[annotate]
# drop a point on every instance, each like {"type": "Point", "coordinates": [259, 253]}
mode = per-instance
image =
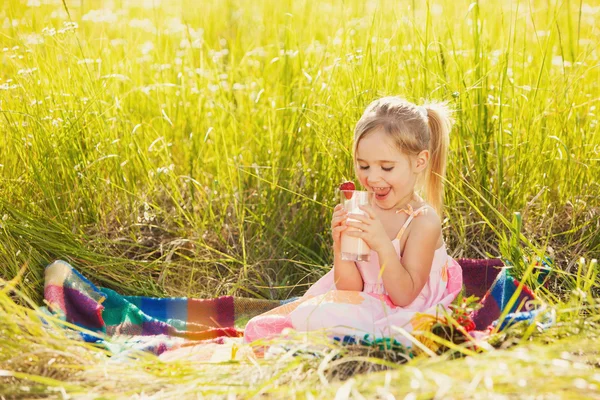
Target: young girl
{"type": "Point", "coordinates": [396, 143]}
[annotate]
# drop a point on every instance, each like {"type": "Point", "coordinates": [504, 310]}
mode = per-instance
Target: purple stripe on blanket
{"type": "Point", "coordinates": [225, 312]}
{"type": "Point", "coordinates": [155, 328]}
{"type": "Point", "coordinates": [82, 310]}
{"type": "Point", "coordinates": [479, 275]}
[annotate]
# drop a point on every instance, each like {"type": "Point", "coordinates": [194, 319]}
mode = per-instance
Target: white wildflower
{"type": "Point", "coordinates": [7, 86]}
{"type": "Point", "coordinates": [174, 26]}
{"type": "Point", "coordinates": [59, 13]}
{"type": "Point", "coordinates": [143, 24]}
{"type": "Point", "coordinates": [98, 16]}
{"type": "Point", "coordinates": [118, 42]}
{"type": "Point", "coordinates": [115, 76]}
{"type": "Point", "coordinates": [147, 47]}
{"type": "Point", "coordinates": [33, 39]}
{"type": "Point", "coordinates": [27, 71]}
{"type": "Point", "coordinates": [49, 31]}
{"type": "Point", "coordinates": [89, 61]}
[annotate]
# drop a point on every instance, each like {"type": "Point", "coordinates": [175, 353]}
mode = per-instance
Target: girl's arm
{"type": "Point", "coordinates": [404, 279]}
{"type": "Point", "coordinates": [345, 274]}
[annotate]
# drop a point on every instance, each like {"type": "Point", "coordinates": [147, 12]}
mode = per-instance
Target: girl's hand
{"type": "Point", "coordinates": [340, 215]}
{"type": "Point", "coordinates": [371, 229]}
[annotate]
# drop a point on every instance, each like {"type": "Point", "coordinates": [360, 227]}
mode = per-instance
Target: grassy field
{"type": "Point", "coordinates": [184, 148]}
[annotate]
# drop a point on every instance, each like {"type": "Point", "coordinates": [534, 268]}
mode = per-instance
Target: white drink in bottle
{"type": "Point", "coordinates": [353, 248]}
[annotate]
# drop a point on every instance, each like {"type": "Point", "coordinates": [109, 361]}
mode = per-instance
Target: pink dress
{"type": "Point", "coordinates": [368, 312]}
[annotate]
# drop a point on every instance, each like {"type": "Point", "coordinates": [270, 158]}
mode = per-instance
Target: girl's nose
{"type": "Point", "coordinates": [373, 178]}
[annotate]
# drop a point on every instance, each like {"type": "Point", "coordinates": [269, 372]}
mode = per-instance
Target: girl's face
{"type": "Point", "coordinates": [386, 171]}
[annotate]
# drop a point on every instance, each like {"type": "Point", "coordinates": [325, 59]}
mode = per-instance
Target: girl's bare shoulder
{"type": "Point", "coordinates": [426, 218]}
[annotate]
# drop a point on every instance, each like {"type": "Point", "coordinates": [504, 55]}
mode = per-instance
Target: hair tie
{"type": "Point", "coordinates": [423, 111]}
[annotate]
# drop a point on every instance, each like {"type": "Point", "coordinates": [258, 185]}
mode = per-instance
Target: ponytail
{"type": "Point", "coordinates": [440, 123]}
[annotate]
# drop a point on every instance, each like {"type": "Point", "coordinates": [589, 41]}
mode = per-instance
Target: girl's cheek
{"type": "Point", "coordinates": [362, 178]}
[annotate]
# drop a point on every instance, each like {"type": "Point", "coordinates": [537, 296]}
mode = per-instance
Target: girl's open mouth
{"type": "Point", "coordinates": [381, 193]}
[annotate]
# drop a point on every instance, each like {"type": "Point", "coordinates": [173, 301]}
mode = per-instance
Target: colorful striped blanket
{"type": "Point", "coordinates": [122, 323]}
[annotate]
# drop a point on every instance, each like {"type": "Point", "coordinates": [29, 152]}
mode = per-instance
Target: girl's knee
{"type": "Point", "coordinates": [265, 326]}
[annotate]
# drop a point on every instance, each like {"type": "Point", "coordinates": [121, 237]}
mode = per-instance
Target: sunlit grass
{"type": "Point", "coordinates": [217, 134]}
{"type": "Point", "coordinates": [38, 359]}
{"type": "Point", "coordinates": [193, 149]}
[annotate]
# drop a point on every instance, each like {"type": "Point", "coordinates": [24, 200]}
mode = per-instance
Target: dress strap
{"type": "Point", "coordinates": [411, 215]}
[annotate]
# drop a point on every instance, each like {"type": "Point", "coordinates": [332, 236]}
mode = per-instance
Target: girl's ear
{"type": "Point", "coordinates": [421, 161]}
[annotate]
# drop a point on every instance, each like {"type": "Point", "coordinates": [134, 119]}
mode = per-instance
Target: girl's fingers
{"type": "Point", "coordinates": [336, 224]}
{"type": "Point", "coordinates": [340, 213]}
{"type": "Point", "coordinates": [358, 234]}
{"type": "Point", "coordinates": [339, 229]}
{"type": "Point", "coordinates": [337, 232]}
{"type": "Point", "coordinates": [339, 210]}
{"type": "Point", "coordinates": [369, 210]}
{"type": "Point", "coordinates": [360, 217]}
{"type": "Point", "coordinates": [354, 224]}
{"type": "Point", "coordinates": [337, 220]}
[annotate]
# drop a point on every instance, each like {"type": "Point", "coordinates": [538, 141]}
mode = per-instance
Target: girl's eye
{"type": "Point", "coordinates": [363, 167]}
{"type": "Point", "coordinates": [387, 169]}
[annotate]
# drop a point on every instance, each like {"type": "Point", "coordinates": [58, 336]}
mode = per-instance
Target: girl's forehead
{"type": "Point", "coordinates": [378, 146]}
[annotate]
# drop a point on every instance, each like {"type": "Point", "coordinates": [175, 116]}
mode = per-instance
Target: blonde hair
{"type": "Point", "coordinates": [413, 129]}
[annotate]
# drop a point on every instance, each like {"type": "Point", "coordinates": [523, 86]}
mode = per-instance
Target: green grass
{"type": "Point", "coordinates": [193, 149]}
